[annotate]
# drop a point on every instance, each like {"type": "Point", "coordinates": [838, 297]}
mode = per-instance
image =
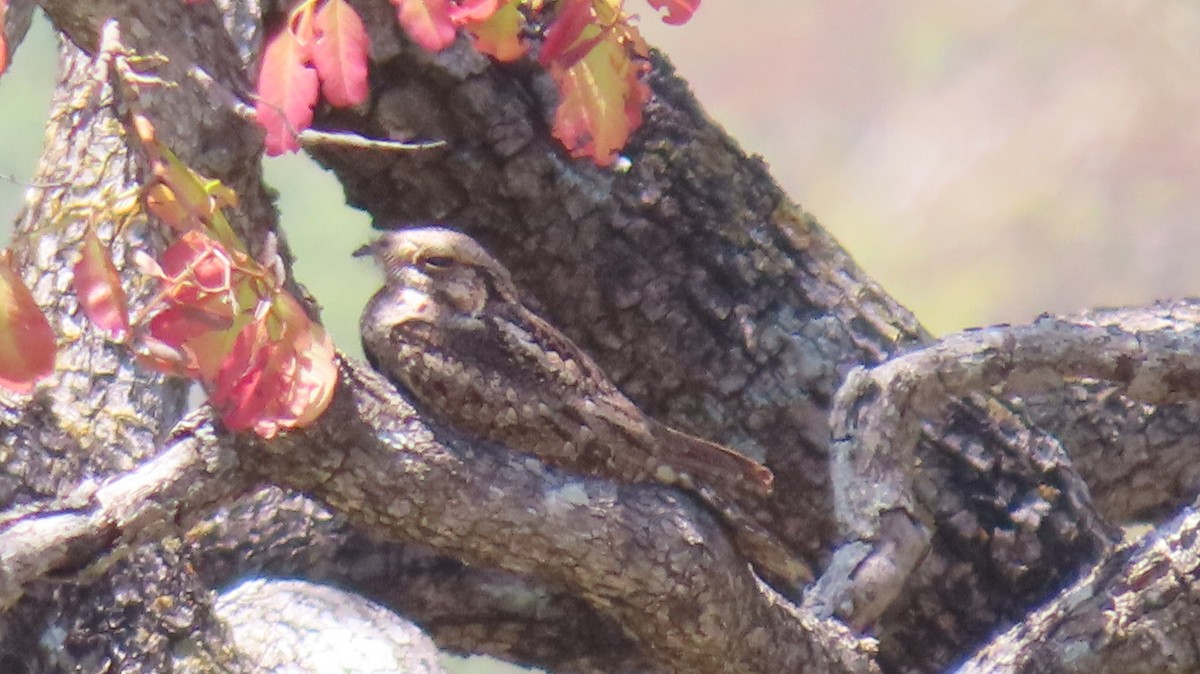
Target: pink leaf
{"type": "Point", "coordinates": [26, 339]}
{"type": "Point", "coordinates": [287, 91]}
{"type": "Point", "coordinates": [427, 22]}
{"type": "Point", "coordinates": [3, 41]}
{"type": "Point", "coordinates": [98, 288]}
{"type": "Point", "coordinates": [340, 53]}
{"type": "Point", "coordinates": [279, 373]}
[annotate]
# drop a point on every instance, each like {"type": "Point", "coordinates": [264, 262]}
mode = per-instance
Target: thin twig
{"type": "Point", "coordinates": [10, 178]}
{"type": "Point", "coordinates": [312, 137]}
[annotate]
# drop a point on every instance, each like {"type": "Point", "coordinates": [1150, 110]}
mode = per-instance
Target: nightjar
{"type": "Point", "coordinates": [449, 327]}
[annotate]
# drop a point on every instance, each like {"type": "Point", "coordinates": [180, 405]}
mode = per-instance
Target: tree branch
{"type": "Point", "coordinates": [1138, 459]}
{"type": "Point", "coordinates": [878, 417]}
{"type": "Point", "coordinates": [97, 524]}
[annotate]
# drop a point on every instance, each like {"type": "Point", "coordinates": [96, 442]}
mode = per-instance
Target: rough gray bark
{"type": "Point", "coordinates": [1139, 459]}
{"type": "Point", "coordinates": [877, 419]}
{"type": "Point", "coordinates": [716, 303]}
{"type": "Point", "coordinates": [1133, 613]}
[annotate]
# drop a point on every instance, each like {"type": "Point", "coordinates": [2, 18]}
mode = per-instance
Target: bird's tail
{"type": "Point", "coordinates": [734, 486]}
{"type": "Point", "coordinates": [771, 557]}
{"type": "Point", "coordinates": [711, 464]}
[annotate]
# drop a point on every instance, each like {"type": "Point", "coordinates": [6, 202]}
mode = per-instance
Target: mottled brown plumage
{"type": "Point", "coordinates": [448, 326]}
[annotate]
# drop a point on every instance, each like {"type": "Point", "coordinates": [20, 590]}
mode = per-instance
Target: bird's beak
{"type": "Point", "coordinates": [365, 250]}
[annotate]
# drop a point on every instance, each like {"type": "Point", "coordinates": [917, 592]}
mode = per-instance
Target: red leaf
{"type": "Point", "coordinates": [583, 47]}
{"type": "Point", "coordinates": [274, 383]}
{"type": "Point", "coordinates": [427, 22]}
{"type": "Point", "coordinates": [265, 365]}
{"type": "Point", "coordinates": [179, 326]}
{"type": "Point", "coordinates": [202, 308]}
{"type": "Point", "coordinates": [312, 377]}
{"type": "Point", "coordinates": [287, 89]}
{"type": "Point", "coordinates": [340, 53]}
{"type": "Point", "coordinates": [98, 288]}
{"type": "Point", "coordinates": [242, 390]}
{"type": "Point", "coordinates": [3, 40]}
{"type": "Point", "coordinates": [499, 35]}
{"type": "Point", "coordinates": [573, 16]}
{"type": "Point", "coordinates": [678, 11]}
{"type": "Point", "coordinates": [26, 339]}
{"type": "Point", "coordinates": [602, 99]}
{"type": "Point", "coordinates": [200, 265]}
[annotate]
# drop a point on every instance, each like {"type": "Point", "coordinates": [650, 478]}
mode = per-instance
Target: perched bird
{"type": "Point", "coordinates": [449, 327]}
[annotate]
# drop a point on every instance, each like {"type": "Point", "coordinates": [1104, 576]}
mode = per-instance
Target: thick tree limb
{"type": "Point", "coordinates": [652, 560]}
{"type": "Point", "coordinates": [101, 414]}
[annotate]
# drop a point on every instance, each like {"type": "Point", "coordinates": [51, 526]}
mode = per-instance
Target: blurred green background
{"type": "Point", "coordinates": [984, 161]}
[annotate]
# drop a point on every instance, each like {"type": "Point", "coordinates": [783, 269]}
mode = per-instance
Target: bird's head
{"type": "Point", "coordinates": [447, 266]}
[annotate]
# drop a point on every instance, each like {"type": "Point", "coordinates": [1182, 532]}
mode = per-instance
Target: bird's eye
{"type": "Point", "coordinates": [437, 262]}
